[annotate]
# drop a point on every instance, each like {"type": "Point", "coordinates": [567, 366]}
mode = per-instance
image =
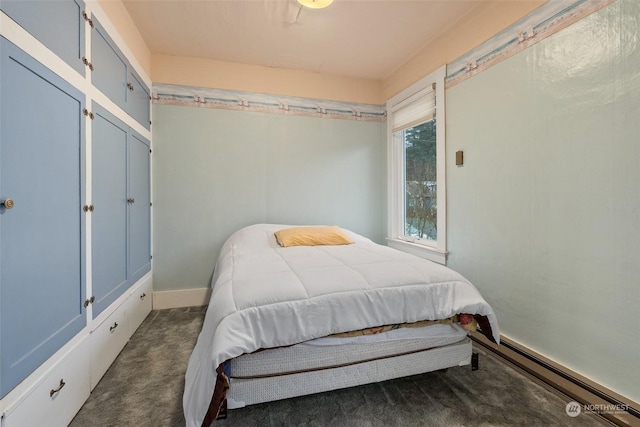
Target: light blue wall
{"type": "Point", "coordinates": [544, 216]}
{"type": "Point", "coordinates": [215, 171]}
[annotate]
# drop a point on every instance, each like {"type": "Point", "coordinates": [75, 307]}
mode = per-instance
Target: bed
{"type": "Point", "coordinates": [290, 321]}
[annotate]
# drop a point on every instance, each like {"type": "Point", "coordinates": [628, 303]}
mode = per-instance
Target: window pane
{"type": "Point", "coordinates": [420, 181]}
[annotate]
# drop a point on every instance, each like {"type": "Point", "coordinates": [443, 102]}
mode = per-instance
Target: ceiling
{"type": "Point", "coordinates": [357, 38]}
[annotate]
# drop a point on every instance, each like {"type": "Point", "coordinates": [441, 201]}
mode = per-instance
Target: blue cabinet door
{"type": "Point", "coordinates": [42, 285]}
{"type": "Point", "coordinates": [138, 99]}
{"type": "Point", "coordinates": [109, 218]}
{"type": "Point", "coordinates": [139, 208]}
{"type": "Point", "coordinates": [114, 76]}
{"type": "Point", "coordinates": [59, 25]}
{"type": "Point", "coordinates": [110, 68]}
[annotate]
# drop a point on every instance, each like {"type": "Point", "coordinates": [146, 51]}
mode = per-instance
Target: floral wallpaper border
{"type": "Point", "coordinates": [248, 101]}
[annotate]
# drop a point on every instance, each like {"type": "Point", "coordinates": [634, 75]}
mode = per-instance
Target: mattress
{"type": "Point", "coordinates": [318, 354]}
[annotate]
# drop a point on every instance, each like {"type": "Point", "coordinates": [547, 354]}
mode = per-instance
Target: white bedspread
{"type": "Point", "coordinates": [268, 296]}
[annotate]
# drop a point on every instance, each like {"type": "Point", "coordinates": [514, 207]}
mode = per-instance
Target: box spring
{"type": "Point", "coordinates": [286, 372]}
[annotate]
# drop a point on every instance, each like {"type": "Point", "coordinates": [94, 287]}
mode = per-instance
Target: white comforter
{"type": "Point", "coordinates": [268, 296]}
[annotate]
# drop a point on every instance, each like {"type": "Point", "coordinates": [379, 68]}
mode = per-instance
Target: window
{"type": "Point", "coordinates": [416, 148]}
{"type": "Point", "coordinates": [420, 181]}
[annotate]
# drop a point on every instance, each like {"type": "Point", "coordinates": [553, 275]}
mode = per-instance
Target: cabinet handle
{"type": "Point", "coordinates": [142, 296]}
{"type": "Point", "coordinates": [7, 204]}
{"type": "Point", "coordinates": [55, 390]}
{"type": "Point", "coordinates": [112, 328]}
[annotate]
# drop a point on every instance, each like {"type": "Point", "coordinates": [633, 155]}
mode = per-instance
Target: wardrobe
{"type": "Point", "coordinates": [75, 206]}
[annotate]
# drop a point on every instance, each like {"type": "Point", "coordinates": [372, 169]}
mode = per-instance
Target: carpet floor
{"type": "Point", "coordinates": [144, 387]}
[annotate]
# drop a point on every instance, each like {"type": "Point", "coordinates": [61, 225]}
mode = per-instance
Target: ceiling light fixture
{"type": "Point", "coordinates": [315, 4]}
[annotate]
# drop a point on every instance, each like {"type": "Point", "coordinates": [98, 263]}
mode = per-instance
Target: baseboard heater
{"type": "Point", "coordinates": [602, 403]}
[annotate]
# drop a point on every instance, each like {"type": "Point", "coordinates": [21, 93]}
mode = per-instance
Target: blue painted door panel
{"type": "Point", "coordinates": [109, 66]}
{"type": "Point", "coordinates": [109, 218]}
{"type": "Point", "coordinates": [139, 209]}
{"type": "Point", "coordinates": [58, 25]}
{"type": "Point", "coordinates": [138, 101]}
{"type": "Point", "coordinates": [42, 284]}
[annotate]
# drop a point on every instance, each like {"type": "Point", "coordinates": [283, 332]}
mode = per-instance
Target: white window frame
{"type": "Point", "coordinates": [430, 249]}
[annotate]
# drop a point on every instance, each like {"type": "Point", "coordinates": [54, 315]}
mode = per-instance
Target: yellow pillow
{"type": "Point", "coordinates": [312, 236]}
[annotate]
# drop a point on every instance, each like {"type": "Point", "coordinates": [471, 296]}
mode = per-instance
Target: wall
{"type": "Point", "coordinates": [218, 170]}
{"type": "Point", "coordinates": [544, 216]}
{"type": "Point", "coordinates": [256, 78]}
{"type": "Point", "coordinates": [485, 20]}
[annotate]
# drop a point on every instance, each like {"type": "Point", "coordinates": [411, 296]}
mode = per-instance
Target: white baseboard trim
{"type": "Point", "coordinates": [181, 298]}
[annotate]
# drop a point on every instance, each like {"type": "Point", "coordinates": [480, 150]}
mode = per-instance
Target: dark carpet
{"type": "Point", "coordinates": [144, 387]}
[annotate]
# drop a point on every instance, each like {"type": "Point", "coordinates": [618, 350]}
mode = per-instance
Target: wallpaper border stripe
{"type": "Point", "coordinates": [190, 96]}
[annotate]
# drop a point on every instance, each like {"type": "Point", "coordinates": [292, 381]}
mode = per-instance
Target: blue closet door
{"type": "Point", "coordinates": [139, 208]}
{"type": "Point", "coordinates": [42, 285]}
{"type": "Point", "coordinates": [59, 25]}
{"type": "Point", "coordinates": [109, 218]}
{"type": "Point", "coordinates": [109, 66]}
{"type": "Point", "coordinates": [138, 99]}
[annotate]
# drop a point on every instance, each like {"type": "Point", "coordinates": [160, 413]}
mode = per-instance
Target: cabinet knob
{"type": "Point", "coordinates": [89, 301]}
{"type": "Point", "coordinates": [115, 325]}
{"type": "Point", "coordinates": [88, 113]}
{"type": "Point", "coordinates": [7, 204]}
{"type": "Point", "coordinates": [131, 200]}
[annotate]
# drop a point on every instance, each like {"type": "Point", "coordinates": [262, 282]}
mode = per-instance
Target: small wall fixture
{"type": "Point", "coordinates": [315, 4]}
